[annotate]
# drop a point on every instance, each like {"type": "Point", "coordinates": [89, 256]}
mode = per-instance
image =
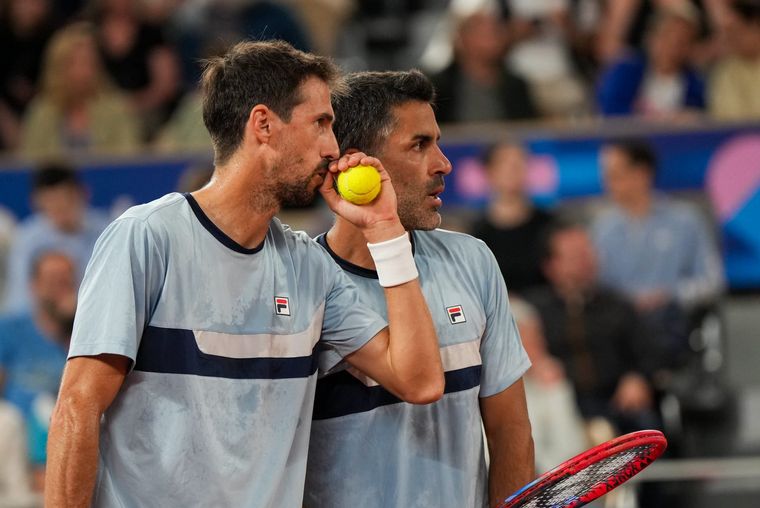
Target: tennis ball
{"type": "Point", "coordinates": [359, 185]}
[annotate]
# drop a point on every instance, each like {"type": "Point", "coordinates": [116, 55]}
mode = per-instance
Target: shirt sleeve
{"type": "Point", "coordinates": [119, 291]}
{"type": "Point", "coordinates": [348, 323]}
{"type": "Point", "coordinates": [501, 350]}
{"type": "Point", "coordinates": [704, 281]}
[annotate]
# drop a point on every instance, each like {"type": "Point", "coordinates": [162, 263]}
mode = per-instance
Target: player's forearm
{"type": "Point", "coordinates": [413, 350]}
{"type": "Point", "coordinates": [512, 464]}
{"type": "Point", "coordinates": [72, 455]}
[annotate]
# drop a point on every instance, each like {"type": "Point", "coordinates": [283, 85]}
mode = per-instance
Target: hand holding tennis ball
{"type": "Point", "coordinates": [360, 184]}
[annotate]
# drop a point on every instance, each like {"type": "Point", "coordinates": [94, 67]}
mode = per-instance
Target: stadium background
{"type": "Point", "coordinates": [711, 162]}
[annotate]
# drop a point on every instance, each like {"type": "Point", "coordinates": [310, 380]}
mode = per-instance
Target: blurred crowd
{"type": "Point", "coordinates": [116, 76]}
{"type": "Point", "coordinates": [606, 306]}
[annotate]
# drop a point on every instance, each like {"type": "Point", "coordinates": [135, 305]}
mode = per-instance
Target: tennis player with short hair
{"type": "Point", "coordinates": [368, 448]}
{"type": "Point", "coordinates": [200, 314]}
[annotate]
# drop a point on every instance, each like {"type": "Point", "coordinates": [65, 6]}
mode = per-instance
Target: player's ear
{"type": "Point", "coordinates": [259, 123]}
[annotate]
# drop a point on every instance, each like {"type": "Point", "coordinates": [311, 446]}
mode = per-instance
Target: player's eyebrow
{"type": "Point", "coordinates": [326, 117]}
{"type": "Point", "coordinates": [425, 138]}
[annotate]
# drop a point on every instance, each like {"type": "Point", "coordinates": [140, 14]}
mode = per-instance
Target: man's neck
{"type": "Point", "coordinates": [349, 244]}
{"type": "Point", "coordinates": [509, 211]}
{"type": "Point", "coordinates": [230, 203]}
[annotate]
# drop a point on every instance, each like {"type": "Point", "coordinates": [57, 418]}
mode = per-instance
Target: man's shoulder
{"type": "Point", "coordinates": [450, 245]}
{"type": "Point", "coordinates": [157, 209]}
{"type": "Point", "coordinates": [297, 245]}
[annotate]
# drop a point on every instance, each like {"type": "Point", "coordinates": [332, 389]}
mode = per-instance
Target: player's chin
{"type": "Point", "coordinates": [424, 222]}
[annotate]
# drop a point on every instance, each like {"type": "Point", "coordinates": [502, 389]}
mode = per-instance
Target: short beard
{"type": "Point", "coordinates": [413, 218]}
{"type": "Point", "coordinates": [297, 194]}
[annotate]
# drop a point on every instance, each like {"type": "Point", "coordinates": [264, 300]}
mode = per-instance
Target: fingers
{"type": "Point", "coordinates": [350, 160]}
{"type": "Point", "coordinates": [327, 189]}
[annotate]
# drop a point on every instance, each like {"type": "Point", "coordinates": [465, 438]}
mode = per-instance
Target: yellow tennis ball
{"type": "Point", "coordinates": [359, 185]}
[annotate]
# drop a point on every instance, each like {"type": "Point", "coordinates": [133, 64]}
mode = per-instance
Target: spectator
{"type": "Point", "coordinates": [63, 222]}
{"type": "Point", "coordinates": [25, 28]}
{"type": "Point", "coordinates": [33, 347]}
{"type": "Point", "coordinates": [657, 252]}
{"type": "Point", "coordinates": [139, 61]}
{"type": "Point", "coordinates": [542, 34]}
{"type": "Point", "coordinates": [734, 89]}
{"type": "Point", "coordinates": [623, 24]}
{"type": "Point", "coordinates": [556, 424]}
{"type": "Point", "coordinates": [511, 226]}
{"type": "Point", "coordinates": [658, 82]}
{"type": "Point", "coordinates": [595, 333]}
{"type": "Point", "coordinates": [77, 110]}
{"type": "Point", "coordinates": [476, 86]}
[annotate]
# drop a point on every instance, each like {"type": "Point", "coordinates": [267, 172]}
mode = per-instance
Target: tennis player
{"type": "Point", "coordinates": [369, 448]}
{"type": "Point", "coordinates": [200, 314]}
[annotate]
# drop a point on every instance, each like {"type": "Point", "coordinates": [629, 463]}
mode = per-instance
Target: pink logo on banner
{"type": "Point", "coordinates": [471, 182]}
{"type": "Point", "coordinates": [733, 175]}
{"type": "Point", "coordinates": [543, 175]}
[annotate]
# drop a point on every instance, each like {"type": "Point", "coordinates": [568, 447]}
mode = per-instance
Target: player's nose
{"type": "Point", "coordinates": [330, 149]}
{"type": "Point", "coordinates": [442, 164]}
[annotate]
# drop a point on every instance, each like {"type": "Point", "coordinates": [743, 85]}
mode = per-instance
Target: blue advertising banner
{"type": "Point", "coordinates": [722, 161]}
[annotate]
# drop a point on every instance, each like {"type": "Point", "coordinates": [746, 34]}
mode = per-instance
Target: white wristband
{"type": "Point", "coordinates": [394, 261]}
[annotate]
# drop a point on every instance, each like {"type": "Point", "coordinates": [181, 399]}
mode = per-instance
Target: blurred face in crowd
{"type": "Point", "coordinates": [508, 170]}
{"type": "Point", "coordinates": [63, 205]}
{"type": "Point", "coordinates": [625, 181]}
{"type": "Point", "coordinates": [670, 43]}
{"type": "Point", "coordinates": [416, 164]}
{"type": "Point", "coordinates": [743, 36]}
{"type": "Point", "coordinates": [27, 15]}
{"type": "Point", "coordinates": [572, 265]}
{"type": "Point", "coordinates": [83, 69]}
{"type": "Point", "coordinates": [482, 37]}
{"type": "Point", "coordinates": [54, 278]}
{"type": "Point", "coordinates": [54, 287]}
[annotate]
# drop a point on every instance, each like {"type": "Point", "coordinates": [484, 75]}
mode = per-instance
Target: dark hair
{"type": "Point", "coordinates": [487, 155]}
{"type": "Point", "coordinates": [364, 114]}
{"type": "Point", "coordinates": [550, 231]}
{"type": "Point", "coordinates": [748, 10]}
{"type": "Point", "coordinates": [638, 153]}
{"type": "Point", "coordinates": [53, 175]}
{"type": "Point", "coordinates": [40, 256]}
{"type": "Point", "coordinates": [252, 73]}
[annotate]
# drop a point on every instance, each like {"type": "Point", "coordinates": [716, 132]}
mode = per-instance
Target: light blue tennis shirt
{"type": "Point", "coordinates": [217, 408]}
{"type": "Point", "coordinates": [370, 449]}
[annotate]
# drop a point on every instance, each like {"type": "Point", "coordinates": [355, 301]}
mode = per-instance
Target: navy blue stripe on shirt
{"type": "Point", "coordinates": [342, 394]}
{"type": "Point", "coordinates": [175, 351]}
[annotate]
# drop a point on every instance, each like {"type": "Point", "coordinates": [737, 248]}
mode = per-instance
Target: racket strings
{"type": "Point", "coordinates": [571, 487]}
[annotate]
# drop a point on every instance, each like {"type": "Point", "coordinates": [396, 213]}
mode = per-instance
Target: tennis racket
{"type": "Point", "coordinates": [591, 474]}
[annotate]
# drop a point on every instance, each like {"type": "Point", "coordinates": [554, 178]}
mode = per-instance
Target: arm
{"type": "Point", "coordinates": [510, 445]}
{"type": "Point", "coordinates": [404, 357]}
{"type": "Point", "coordinates": [614, 26]}
{"type": "Point", "coordinates": [88, 387]}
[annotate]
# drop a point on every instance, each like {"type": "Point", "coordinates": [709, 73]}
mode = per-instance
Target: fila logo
{"type": "Point", "coordinates": [456, 314]}
{"type": "Point", "coordinates": [281, 306]}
